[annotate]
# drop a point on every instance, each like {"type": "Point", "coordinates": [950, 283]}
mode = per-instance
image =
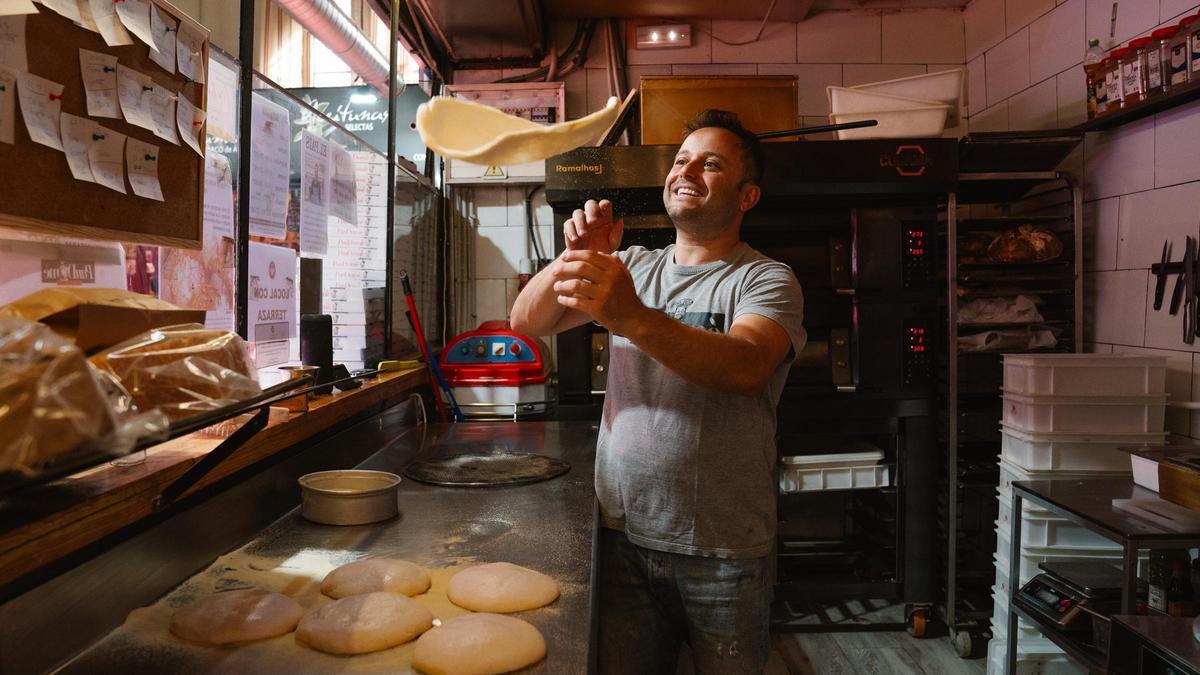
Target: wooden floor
{"type": "Point", "coordinates": [867, 653]}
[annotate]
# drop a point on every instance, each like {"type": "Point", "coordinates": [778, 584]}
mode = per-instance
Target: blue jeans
{"type": "Point", "coordinates": [651, 602]}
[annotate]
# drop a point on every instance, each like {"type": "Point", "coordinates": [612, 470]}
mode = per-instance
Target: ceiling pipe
{"type": "Point", "coordinates": [338, 33]}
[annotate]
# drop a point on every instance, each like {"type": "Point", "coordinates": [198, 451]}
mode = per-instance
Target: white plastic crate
{"type": "Point", "coordinates": [1010, 472]}
{"type": "Point", "coordinates": [792, 479]}
{"type": "Point", "coordinates": [847, 100]}
{"type": "Point", "coordinates": [1084, 414]}
{"type": "Point", "coordinates": [1034, 657]}
{"type": "Point", "coordinates": [1085, 374]}
{"type": "Point", "coordinates": [1042, 530]}
{"type": "Point", "coordinates": [927, 122]}
{"type": "Point", "coordinates": [1071, 452]}
{"type": "Point", "coordinates": [1031, 556]}
{"type": "Point", "coordinates": [946, 86]}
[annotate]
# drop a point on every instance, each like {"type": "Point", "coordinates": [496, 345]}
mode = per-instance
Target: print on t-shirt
{"type": "Point", "coordinates": [709, 321]}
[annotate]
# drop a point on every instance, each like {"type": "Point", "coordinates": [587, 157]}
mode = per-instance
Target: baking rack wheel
{"type": "Point", "coordinates": [963, 644]}
{"type": "Point", "coordinates": [916, 621]}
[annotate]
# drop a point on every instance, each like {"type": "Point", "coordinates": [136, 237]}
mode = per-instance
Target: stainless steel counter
{"type": "Point", "coordinates": [548, 526]}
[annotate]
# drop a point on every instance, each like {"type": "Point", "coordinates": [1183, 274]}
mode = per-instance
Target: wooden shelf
{"type": "Point", "coordinates": [1184, 93]}
{"type": "Point", "coordinates": [44, 524]}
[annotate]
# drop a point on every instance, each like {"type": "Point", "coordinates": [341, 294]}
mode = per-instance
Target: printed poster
{"type": "Point", "coordinates": [314, 193]}
{"type": "Point", "coordinates": [344, 186]}
{"type": "Point", "coordinates": [270, 167]}
{"type": "Point", "coordinates": [272, 307]}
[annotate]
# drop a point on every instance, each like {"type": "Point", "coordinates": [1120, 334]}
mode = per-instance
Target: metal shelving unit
{"type": "Point", "coordinates": [1006, 180]}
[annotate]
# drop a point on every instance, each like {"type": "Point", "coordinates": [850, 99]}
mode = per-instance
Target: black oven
{"type": "Point", "coordinates": [858, 222]}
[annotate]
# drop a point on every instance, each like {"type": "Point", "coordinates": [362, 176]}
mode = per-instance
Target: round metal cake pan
{"type": "Point", "coordinates": [349, 497]}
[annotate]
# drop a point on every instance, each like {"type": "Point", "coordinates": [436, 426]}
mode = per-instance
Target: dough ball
{"type": "Point", "coordinates": [479, 644]}
{"type": "Point", "coordinates": [375, 574]}
{"type": "Point", "coordinates": [364, 623]}
{"type": "Point", "coordinates": [237, 616]}
{"type": "Point", "coordinates": [501, 587]}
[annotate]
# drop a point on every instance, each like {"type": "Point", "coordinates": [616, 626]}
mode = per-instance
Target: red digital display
{"type": "Point", "coordinates": [916, 340]}
{"type": "Point", "coordinates": [915, 242]}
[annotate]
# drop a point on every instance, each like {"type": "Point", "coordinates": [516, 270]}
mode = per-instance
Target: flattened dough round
{"type": "Point", "coordinates": [479, 644]}
{"type": "Point", "coordinates": [375, 574]}
{"type": "Point", "coordinates": [478, 133]}
{"type": "Point", "coordinates": [364, 623]}
{"type": "Point", "coordinates": [237, 616]}
{"type": "Point", "coordinates": [501, 587]}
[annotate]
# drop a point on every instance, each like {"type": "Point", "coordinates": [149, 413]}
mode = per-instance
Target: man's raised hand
{"type": "Point", "coordinates": [592, 228]}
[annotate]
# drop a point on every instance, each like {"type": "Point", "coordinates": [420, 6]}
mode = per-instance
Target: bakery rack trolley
{"type": "Point", "coordinates": [1005, 180]}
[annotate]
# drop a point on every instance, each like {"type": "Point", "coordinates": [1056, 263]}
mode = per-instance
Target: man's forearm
{"type": "Point", "coordinates": [714, 360]}
{"type": "Point", "coordinates": [537, 311]}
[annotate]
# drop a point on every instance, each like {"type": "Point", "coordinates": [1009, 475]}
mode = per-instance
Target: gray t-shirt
{"type": "Point", "coordinates": [679, 467]}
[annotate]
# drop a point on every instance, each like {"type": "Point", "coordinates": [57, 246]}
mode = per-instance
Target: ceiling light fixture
{"type": "Point", "coordinates": [660, 37]}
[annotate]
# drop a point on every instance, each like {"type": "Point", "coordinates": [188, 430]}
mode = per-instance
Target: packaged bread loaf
{"type": "Point", "coordinates": [51, 402]}
{"type": "Point", "coordinates": [183, 370]}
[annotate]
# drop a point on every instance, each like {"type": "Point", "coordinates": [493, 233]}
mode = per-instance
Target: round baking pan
{"type": "Point", "coordinates": [350, 497]}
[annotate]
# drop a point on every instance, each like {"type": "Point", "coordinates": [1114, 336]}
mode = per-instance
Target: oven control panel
{"type": "Point", "coordinates": [916, 257]}
{"type": "Point", "coordinates": [918, 358]}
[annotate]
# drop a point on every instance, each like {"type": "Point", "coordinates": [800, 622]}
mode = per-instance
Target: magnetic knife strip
{"type": "Point", "coordinates": [1184, 292]}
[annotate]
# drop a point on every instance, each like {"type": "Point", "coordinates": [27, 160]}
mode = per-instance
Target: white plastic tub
{"type": "Point", "coordinates": [944, 86]}
{"type": "Point", "coordinates": [1071, 452]}
{"type": "Point", "coordinates": [839, 471]}
{"type": "Point", "coordinates": [1034, 657]}
{"type": "Point", "coordinates": [846, 100]}
{"type": "Point", "coordinates": [1145, 472]}
{"type": "Point", "coordinates": [1084, 414]}
{"type": "Point", "coordinates": [1041, 530]}
{"type": "Point", "coordinates": [1085, 374]}
{"type": "Point", "coordinates": [928, 122]}
{"type": "Point", "coordinates": [1010, 472]}
{"type": "Point", "coordinates": [1031, 556]}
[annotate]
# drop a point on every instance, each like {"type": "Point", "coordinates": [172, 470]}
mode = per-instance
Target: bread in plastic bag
{"type": "Point", "coordinates": [53, 402]}
{"type": "Point", "coordinates": [182, 370]}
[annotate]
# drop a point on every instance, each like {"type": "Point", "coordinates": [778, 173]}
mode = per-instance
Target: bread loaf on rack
{"type": "Point", "coordinates": [1025, 244]}
{"type": "Point", "coordinates": [51, 402]}
{"type": "Point", "coordinates": [183, 370]}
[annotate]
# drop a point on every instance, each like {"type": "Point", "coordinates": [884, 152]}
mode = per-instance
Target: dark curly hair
{"type": "Point", "coordinates": [752, 150]}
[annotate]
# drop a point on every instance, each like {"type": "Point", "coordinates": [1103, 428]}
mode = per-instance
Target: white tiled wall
{"type": "Point", "coordinates": [1141, 180]}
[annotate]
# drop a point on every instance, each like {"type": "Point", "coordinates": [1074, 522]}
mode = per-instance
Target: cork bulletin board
{"type": "Point", "coordinates": [37, 190]}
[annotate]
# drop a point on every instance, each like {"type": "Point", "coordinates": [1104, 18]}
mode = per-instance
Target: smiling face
{"type": "Point", "coordinates": [705, 192]}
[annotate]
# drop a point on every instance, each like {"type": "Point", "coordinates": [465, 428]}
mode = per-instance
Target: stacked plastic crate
{"type": "Point", "coordinates": [1064, 417]}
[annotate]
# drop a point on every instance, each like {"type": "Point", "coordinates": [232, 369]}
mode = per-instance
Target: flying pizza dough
{"type": "Point", "coordinates": [234, 617]}
{"type": "Point", "coordinates": [479, 644]}
{"type": "Point", "coordinates": [501, 587]}
{"type": "Point", "coordinates": [477, 133]}
{"type": "Point", "coordinates": [375, 574]}
{"type": "Point", "coordinates": [364, 623]}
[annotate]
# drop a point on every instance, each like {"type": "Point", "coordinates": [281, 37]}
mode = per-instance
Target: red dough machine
{"type": "Point", "coordinates": [497, 373]}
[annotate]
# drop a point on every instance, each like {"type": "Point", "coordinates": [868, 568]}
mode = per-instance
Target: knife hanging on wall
{"type": "Point", "coordinates": [1180, 280]}
{"type": "Point", "coordinates": [1189, 291]}
{"type": "Point", "coordinates": [1161, 284]}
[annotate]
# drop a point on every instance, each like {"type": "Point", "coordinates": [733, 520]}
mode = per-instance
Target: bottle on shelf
{"type": "Point", "coordinates": [1179, 591]}
{"type": "Point", "coordinates": [1096, 91]}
